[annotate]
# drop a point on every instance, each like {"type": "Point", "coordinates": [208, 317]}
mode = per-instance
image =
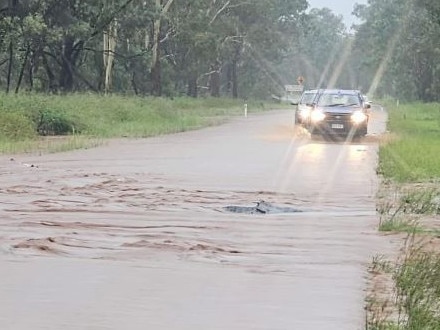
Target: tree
{"type": "Point", "coordinates": [399, 49]}
{"type": "Point", "coordinates": [432, 7]}
{"type": "Point", "coordinates": [152, 47]}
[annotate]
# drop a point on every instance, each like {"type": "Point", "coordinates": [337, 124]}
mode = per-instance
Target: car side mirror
{"type": "Point", "coordinates": [367, 106]}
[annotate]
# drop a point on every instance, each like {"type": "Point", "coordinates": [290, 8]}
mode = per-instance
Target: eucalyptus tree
{"type": "Point", "coordinates": [146, 47]}
{"type": "Point", "coordinates": [133, 53]}
{"type": "Point", "coordinates": [52, 35]}
{"type": "Point", "coordinates": [192, 41]}
{"type": "Point", "coordinates": [11, 12]}
{"type": "Point", "coordinates": [162, 7]}
{"type": "Point", "coordinates": [433, 8]}
{"type": "Point", "coordinates": [264, 32]}
{"type": "Point", "coordinates": [110, 34]}
{"type": "Point", "coordinates": [416, 61]}
{"type": "Point", "coordinates": [376, 41]}
{"type": "Point", "coordinates": [218, 45]}
{"type": "Point", "coordinates": [399, 49]}
{"type": "Point", "coordinates": [323, 43]}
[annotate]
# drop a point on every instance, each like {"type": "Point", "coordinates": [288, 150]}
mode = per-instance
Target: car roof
{"type": "Point", "coordinates": [340, 91]}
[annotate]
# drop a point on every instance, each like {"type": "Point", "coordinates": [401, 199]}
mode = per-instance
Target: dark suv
{"type": "Point", "coordinates": [338, 112]}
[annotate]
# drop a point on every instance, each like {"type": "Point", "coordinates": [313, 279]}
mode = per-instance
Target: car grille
{"type": "Point", "coordinates": [338, 122]}
{"type": "Point", "coordinates": [338, 117]}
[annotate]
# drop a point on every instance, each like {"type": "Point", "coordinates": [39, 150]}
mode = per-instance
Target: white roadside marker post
{"type": "Point", "coordinates": [245, 109]}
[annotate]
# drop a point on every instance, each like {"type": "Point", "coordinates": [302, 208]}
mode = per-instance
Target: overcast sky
{"type": "Point", "coordinates": [343, 7]}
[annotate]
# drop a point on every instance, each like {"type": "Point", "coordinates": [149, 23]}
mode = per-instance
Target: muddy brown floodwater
{"type": "Point", "coordinates": [136, 235]}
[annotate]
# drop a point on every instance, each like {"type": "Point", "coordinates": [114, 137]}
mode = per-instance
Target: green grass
{"type": "Point", "coordinates": [404, 204]}
{"type": "Point", "coordinates": [49, 144]}
{"type": "Point", "coordinates": [25, 117]}
{"type": "Point", "coordinates": [410, 160]}
{"type": "Point", "coordinates": [418, 288]}
{"type": "Point", "coordinates": [398, 225]}
{"type": "Point", "coordinates": [414, 154]}
{"type": "Point", "coordinates": [416, 292]}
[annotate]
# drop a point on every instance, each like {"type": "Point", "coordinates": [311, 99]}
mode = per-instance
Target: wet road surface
{"type": "Point", "coordinates": [135, 235]}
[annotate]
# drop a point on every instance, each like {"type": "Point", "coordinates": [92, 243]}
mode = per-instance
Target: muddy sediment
{"type": "Point", "coordinates": [138, 233]}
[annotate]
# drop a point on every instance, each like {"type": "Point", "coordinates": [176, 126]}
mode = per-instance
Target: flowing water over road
{"type": "Point", "coordinates": [136, 234]}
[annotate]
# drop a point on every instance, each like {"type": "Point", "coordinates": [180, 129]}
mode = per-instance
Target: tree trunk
{"type": "Point", "coordinates": [234, 79]}
{"type": "Point", "coordinates": [229, 79]}
{"type": "Point", "coordinates": [109, 54]}
{"type": "Point", "coordinates": [23, 67]}
{"type": "Point", "coordinates": [12, 5]}
{"type": "Point", "coordinates": [52, 86]}
{"type": "Point", "coordinates": [32, 69]}
{"type": "Point", "coordinates": [156, 74]}
{"type": "Point", "coordinates": [192, 85]}
{"type": "Point", "coordinates": [155, 60]}
{"type": "Point", "coordinates": [66, 75]}
{"type": "Point", "coordinates": [232, 75]}
{"type": "Point", "coordinates": [11, 59]}
{"type": "Point", "coordinates": [133, 83]}
{"type": "Point", "coordinates": [214, 83]}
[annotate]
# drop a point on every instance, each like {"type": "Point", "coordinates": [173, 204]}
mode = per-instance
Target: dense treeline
{"type": "Point", "coordinates": [149, 47]}
{"type": "Point", "coordinates": [233, 48]}
{"type": "Point", "coordinates": [398, 48]}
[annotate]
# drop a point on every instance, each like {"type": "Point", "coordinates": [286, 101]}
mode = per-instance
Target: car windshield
{"type": "Point", "coordinates": [338, 99]}
{"type": "Point", "coordinates": [308, 98]}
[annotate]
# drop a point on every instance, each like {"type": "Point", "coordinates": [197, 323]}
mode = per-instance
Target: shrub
{"type": "Point", "coordinates": [51, 123]}
{"type": "Point", "coordinates": [15, 126]}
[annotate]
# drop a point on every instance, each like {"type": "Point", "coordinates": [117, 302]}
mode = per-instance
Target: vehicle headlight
{"type": "Point", "coordinates": [317, 115]}
{"type": "Point", "coordinates": [358, 117]}
{"type": "Point", "coordinates": [304, 114]}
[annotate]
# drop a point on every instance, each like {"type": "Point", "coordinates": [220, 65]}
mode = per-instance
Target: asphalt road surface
{"type": "Point", "coordinates": [135, 234]}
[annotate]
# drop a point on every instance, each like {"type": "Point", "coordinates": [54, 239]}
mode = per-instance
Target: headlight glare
{"type": "Point", "coordinates": [358, 117]}
{"type": "Point", "coordinates": [304, 114]}
{"type": "Point", "coordinates": [317, 115]}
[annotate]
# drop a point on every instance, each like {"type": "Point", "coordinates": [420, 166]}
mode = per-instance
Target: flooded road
{"type": "Point", "coordinates": [136, 234]}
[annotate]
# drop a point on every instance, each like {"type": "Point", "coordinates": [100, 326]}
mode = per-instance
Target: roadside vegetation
{"type": "Point", "coordinates": [409, 208]}
{"type": "Point", "coordinates": [229, 48]}
{"type": "Point", "coordinates": [34, 122]}
{"type": "Point", "coordinates": [413, 152]}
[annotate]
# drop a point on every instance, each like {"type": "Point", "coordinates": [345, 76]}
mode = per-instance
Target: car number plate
{"type": "Point", "coordinates": [338, 126]}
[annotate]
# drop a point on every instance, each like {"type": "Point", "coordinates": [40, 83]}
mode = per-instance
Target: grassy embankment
{"type": "Point", "coordinates": [409, 206]}
{"type": "Point", "coordinates": [28, 123]}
